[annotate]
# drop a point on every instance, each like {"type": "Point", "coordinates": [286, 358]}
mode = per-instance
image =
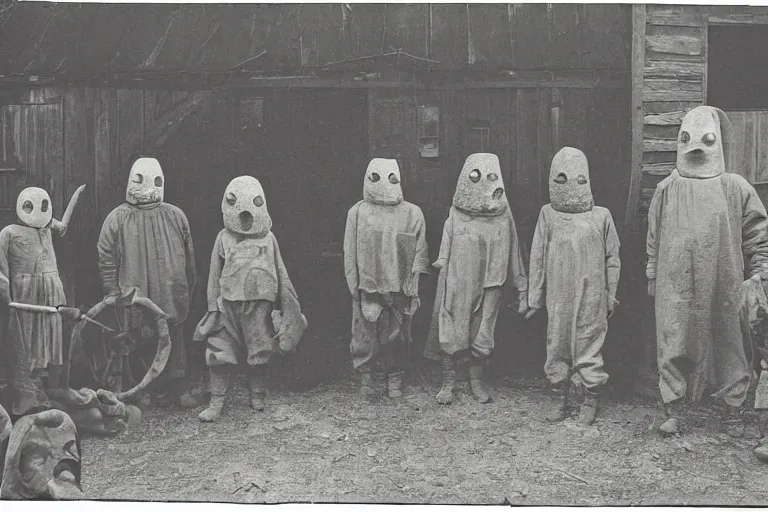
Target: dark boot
{"type": "Point", "coordinates": [258, 386]}
{"type": "Point", "coordinates": [761, 450]}
{"type": "Point", "coordinates": [445, 395]}
{"type": "Point", "coordinates": [476, 381]}
{"type": "Point", "coordinates": [733, 422]}
{"type": "Point", "coordinates": [219, 384]}
{"type": "Point", "coordinates": [673, 412]}
{"type": "Point", "coordinates": [589, 408]}
{"type": "Point", "coordinates": [560, 411]}
{"type": "Point", "coordinates": [367, 385]}
{"type": "Point", "coordinates": [395, 384]}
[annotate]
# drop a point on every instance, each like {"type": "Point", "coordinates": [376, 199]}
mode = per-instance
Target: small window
{"type": "Point", "coordinates": [429, 131]}
{"type": "Point", "coordinates": [737, 74]}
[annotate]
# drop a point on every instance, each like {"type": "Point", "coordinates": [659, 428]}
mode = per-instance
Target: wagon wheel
{"type": "Point", "coordinates": [127, 360]}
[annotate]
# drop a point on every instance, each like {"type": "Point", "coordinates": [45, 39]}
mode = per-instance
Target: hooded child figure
{"type": "Point", "coordinates": [29, 274]}
{"type": "Point", "coordinates": [574, 272]}
{"type": "Point", "coordinates": [703, 225]}
{"type": "Point", "coordinates": [253, 310]}
{"type": "Point", "coordinates": [146, 244]}
{"type": "Point", "coordinates": [385, 253]}
{"type": "Point", "coordinates": [479, 254]}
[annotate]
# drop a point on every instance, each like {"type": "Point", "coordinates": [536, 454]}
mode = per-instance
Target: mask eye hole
{"type": "Point", "coordinates": [28, 207]}
{"type": "Point", "coordinates": [474, 175]}
{"type": "Point", "coordinates": [685, 137]}
{"type": "Point", "coordinates": [374, 177]}
{"type": "Point", "coordinates": [493, 176]}
{"type": "Point", "coordinates": [258, 201]}
{"type": "Point", "coordinates": [159, 181]}
{"type": "Point", "coordinates": [231, 199]}
{"type": "Point", "coordinates": [393, 179]}
{"type": "Point", "coordinates": [581, 179]}
{"type": "Point", "coordinates": [138, 178]}
{"type": "Point", "coordinates": [44, 206]}
{"type": "Point", "coordinates": [561, 179]}
{"type": "Point", "coordinates": [709, 138]}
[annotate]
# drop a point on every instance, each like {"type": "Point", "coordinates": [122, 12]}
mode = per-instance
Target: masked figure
{"type": "Point", "coordinates": [145, 243]}
{"type": "Point", "coordinates": [385, 253]}
{"type": "Point", "coordinates": [30, 275]}
{"type": "Point", "coordinates": [574, 271]}
{"type": "Point", "coordinates": [43, 459]}
{"type": "Point", "coordinates": [703, 225]}
{"type": "Point", "coordinates": [253, 310]}
{"type": "Point", "coordinates": [479, 254]}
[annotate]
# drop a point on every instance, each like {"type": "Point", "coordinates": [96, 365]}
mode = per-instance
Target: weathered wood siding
{"type": "Point", "coordinates": [57, 38]}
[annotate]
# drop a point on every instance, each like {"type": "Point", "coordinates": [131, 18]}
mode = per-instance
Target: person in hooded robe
{"type": "Point", "coordinates": [385, 253]}
{"type": "Point", "coordinates": [43, 459]}
{"type": "Point", "coordinates": [29, 274]}
{"type": "Point", "coordinates": [703, 225]}
{"type": "Point", "coordinates": [146, 244]}
{"type": "Point", "coordinates": [253, 309]}
{"type": "Point", "coordinates": [479, 254]}
{"type": "Point", "coordinates": [574, 272]}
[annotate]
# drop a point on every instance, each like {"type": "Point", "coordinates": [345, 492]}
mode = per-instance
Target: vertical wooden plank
{"type": "Point", "coordinates": [499, 129]}
{"type": "Point", "coordinates": [130, 130]}
{"type": "Point", "coordinates": [573, 118]}
{"type": "Point", "coordinates": [544, 141]}
{"type": "Point", "coordinates": [101, 152]}
{"type": "Point", "coordinates": [528, 177]}
{"type": "Point", "coordinates": [637, 65]}
{"type": "Point", "coordinates": [735, 158]}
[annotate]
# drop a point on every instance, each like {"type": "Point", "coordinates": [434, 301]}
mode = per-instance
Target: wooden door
{"type": "Point", "coordinates": [749, 154]}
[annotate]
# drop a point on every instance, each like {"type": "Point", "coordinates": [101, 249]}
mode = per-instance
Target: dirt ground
{"type": "Point", "coordinates": [330, 445]}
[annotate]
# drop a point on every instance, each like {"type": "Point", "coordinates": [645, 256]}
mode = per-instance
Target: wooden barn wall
{"type": "Point", "coordinates": [54, 38]}
{"type": "Point", "coordinates": [520, 132]}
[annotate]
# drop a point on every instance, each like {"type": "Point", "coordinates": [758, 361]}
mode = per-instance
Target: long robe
{"type": "Point", "coordinates": [35, 340]}
{"type": "Point", "coordinates": [253, 308]}
{"type": "Point", "coordinates": [575, 265]}
{"type": "Point", "coordinates": [480, 254]}
{"type": "Point", "coordinates": [385, 252]}
{"type": "Point", "coordinates": [700, 231]}
{"type": "Point", "coordinates": [150, 248]}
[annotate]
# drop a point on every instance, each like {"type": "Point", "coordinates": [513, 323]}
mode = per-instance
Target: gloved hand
{"type": "Point", "coordinates": [439, 264]}
{"type": "Point", "coordinates": [522, 306]}
{"type": "Point", "coordinates": [5, 291]}
{"type": "Point", "coordinates": [111, 299]}
{"type": "Point", "coordinates": [652, 287]}
{"type": "Point", "coordinates": [413, 306]}
{"type": "Point", "coordinates": [530, 313]}
{"type": "Point", "coordinates": [612, 304]}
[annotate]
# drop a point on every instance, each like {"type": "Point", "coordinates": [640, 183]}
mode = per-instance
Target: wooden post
{"type": "Point", "coordinates": [636, 115]}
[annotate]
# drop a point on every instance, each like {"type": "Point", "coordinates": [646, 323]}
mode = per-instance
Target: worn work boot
{"type": "Point", "coordinates": [673, 411]}
{"type": "Point", "coordinates": [180, 389]}
{"type": "Point", "coordinates": [733, 422]}
{"type": "Point", "coordinates": [219, 385]}
{"type": "Point", "coordinates": [445, 395]}
{"type": "Point", "coordinates": [560, 411]}
{"type": "Point", "coordinates": [367, 385]}
{"type": "Point", "coordinates": [589, 408]}
{"type": "Point", "coordinates": [258, 387]}
{"type": "Point", "coordinates": [395, 384]}
{"type": "Point", "coordinates": [476, 381]}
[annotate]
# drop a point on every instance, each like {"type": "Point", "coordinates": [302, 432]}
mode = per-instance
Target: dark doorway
{"type": "Point", "coordinates": [737, 74]}
{"type": "Point", "coordinates": [309, 149]}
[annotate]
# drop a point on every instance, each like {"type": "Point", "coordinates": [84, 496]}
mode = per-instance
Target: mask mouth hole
{"type": "Point", "coordinates": [28, 207]}
{"type": "Point", "coordinates": [696, 155]}
{"type": "Point", "coordinates": [561, 178]}
{"type": "Point", "coordinates": [498, 193]}
{"type": "Point", "coordinates": [246, 220]}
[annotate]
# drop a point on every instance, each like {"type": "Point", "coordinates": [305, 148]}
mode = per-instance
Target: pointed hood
{"type": "Point", "coordinates": [244, 207]}
{"type": "Point", "coordinates": [570, 190]}
{"type": "Point", "coordinates": [703, 143]}
{"type": "Point", "coordinates": [480, 188]}
{"type": "Point", "coordinates": [382, 182]}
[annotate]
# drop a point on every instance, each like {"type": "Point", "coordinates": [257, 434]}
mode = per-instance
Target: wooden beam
{"type": "Point", "coordinates": [654, 145]}
{"type": "Point", "coordinates": [671, 95]}
{"type": "Point", "coordinates": [666, 119]}
{"type": "Point", "coordinates": [637, 64]}
{"type": "Point", "coordinates": [167, 124]}
{"type": "Point", "coordinates": [674, 44]}
{"type": "Point", "coordinates": [659, 169]}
